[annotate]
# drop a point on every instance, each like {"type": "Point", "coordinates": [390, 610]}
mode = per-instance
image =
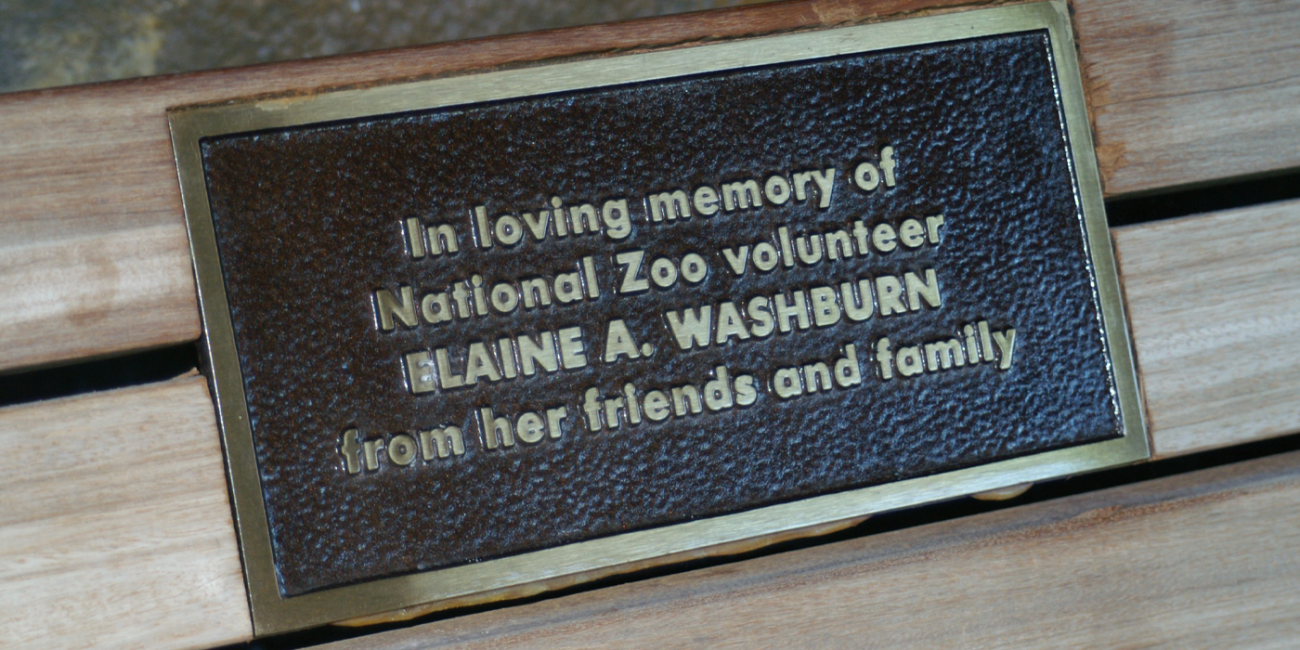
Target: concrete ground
{"type": "Point", "coordinates": [46, 43]}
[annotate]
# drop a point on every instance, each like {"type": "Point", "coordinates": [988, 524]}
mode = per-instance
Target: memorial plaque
{"type": "Point", "coordinates": [475, 333]}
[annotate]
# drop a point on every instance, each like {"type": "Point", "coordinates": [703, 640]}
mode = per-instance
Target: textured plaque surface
{"type": "Point", "coordinates": [476, 331]}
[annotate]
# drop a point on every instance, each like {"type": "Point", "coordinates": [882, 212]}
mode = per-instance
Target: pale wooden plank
{"type": "Point", "coordinates": [1214, 307]}
{"type": "Point", "coordinates": [117, 504]}
{"type": "Point", "coordinates": [83, 168]}
{"type": "Point", "coordinates": [1209, 559]}
{"type": "Point", "coordinates": [93, 251]}
{"type": "Point", "coordinates": [61, 224]}
{"type": "Point", "coordinates": [80, 297]}
{"type": "Point", "coordinates": [1191, 91]}
{"type": "Point", "coordinates": [115, 527]}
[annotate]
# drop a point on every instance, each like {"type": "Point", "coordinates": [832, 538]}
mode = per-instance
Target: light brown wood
{"type": "Point", "coordinates": [1204, 560]}
{"type": "Point", "coordinates": [116, 506]}
{"type": "Point", "coordinates": [92, 243]}
{"type": "Point", "coordinates": [1191, 91]}
{"type": "Point", "coordinates": [89, 291]}
{"type": "Point", "coordinates": [115, 527]}
{"type": "Point", "coordinates": [93, 253]}
{"type": "Point", "coordinates": [1214, 307]}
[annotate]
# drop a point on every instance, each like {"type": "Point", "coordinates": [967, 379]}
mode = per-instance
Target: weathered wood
{"type": "Point", "coordinates": [1191, 91]}
{"type": "Point", "coordinates": [92, 243]}
{"type": "Point", "coordinates": [115, 527]}
{"type": "Point", "coordinates": [1214, 306]}
{"type": "Point", "coordinates": [93, 254]}
{"type": "Point", "coordinates": [116, 506]}
{"type": "Point", "coordinates": [1209, 559]}
{"type": "Point", "coordinates": [89, 291]}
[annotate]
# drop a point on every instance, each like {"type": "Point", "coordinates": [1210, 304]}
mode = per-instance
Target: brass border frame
{"type": "Point", "coordinates": [273, 614]}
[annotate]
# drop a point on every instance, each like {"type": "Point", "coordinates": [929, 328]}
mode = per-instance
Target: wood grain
{"type": "Point", "coordinates": [93, 252]}
{"type": "Point", "coordinates": [1191, 91]}
{"type": "Point", "coordinates": [1203, 560]}
{"type": "Point", "coordinates": [92, 242]}
{"type": "Point", "coordinates": [1214, 307]}
{"type": "Point", "coordinates": [115, 527]}
{"type": "Point", "coordinates": [114, 514]}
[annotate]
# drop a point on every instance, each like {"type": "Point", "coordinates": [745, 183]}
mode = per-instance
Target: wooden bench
{"type": "Point", "coordinates": [115, 521]}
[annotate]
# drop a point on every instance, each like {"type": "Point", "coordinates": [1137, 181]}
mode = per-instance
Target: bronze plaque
{"type": "Point", "coordinates": [478, 332]}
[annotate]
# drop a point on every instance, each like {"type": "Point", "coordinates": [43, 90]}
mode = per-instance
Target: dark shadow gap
{"type": "Point", "coordinates": [1227, 195]}
{"type": "Point", "coordinates": [102, 374]}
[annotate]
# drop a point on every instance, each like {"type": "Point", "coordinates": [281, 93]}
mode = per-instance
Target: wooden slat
{"type": "Point", "coordinates": [1214, 306]}
{"type": "Point", "coordinates": [115, 528]}
{"type": "Point", "coordinates": [87, 291]}
{"type": "Point", "coordinates": [86, 171]}
{"type": "Point", "coordinates": [92, 246]}
{"type": "Point", "coordinates": [126, 489]}
{"type": "Point", "coordinates": [1206, 560]}
{"type": "Point", "coordinates": [1193, 90]}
